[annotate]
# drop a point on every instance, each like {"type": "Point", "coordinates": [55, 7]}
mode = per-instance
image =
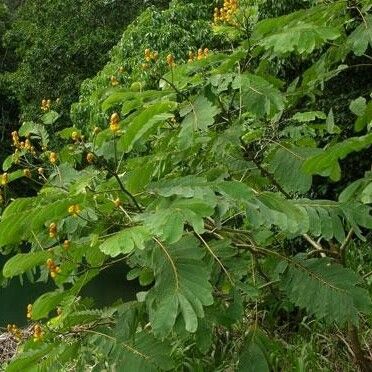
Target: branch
{"type": "Point", "coordinates": [124, 190]}
{"type": "Point", "coordinates": [344, 245]}
{"type": "Point", "coordinates": [316, 245]}
{"type": "Point", "coordinates": [272, 179]}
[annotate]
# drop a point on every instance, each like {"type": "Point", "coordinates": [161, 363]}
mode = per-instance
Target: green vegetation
{"type": "Point", "coordinates": [222, 158]}
{"type": "Point", "coordinates": [59, 44]}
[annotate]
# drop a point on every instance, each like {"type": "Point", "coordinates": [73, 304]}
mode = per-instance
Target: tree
{"type": "Point", "coordinates": [205, 182]}
{"type": "Point", "coordinates": [60, 43]}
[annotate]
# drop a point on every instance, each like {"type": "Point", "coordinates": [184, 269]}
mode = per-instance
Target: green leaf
{"type": "Point", "coordinates": [27, 215]}
{"type": "Point", "coordinates": [187, 187]}
{"type": "Point", "coordinates": [326, 162]}
{"type": "Point", "coordinates": [164, 317]}
{"type": "Point", "coordinates": [144, 353]}
{"type": "Point", "coordinates": [235, 190]}
{"type": "Point", "coordinates": [66, 133]}
{"type": "Point", "coordinates": [358, 106]}
{"type": "Point", "coordinates": [27, 360]}
{"type": "Point", "coordinates": [290, 157]}
{"type": "Point", "coordinates": [132, 100]}
{"type": "Point", "coordinates": [22, 262]}
{"type": "Point", "coordinates": [8, 162]}
{"type": "Point", "coordinates": [364, 113]}
{"type": "Point", "coordinates": [361, 36]}
{"type": "Point", "coordinates": [170, 217]}
{"type": "Point", "coordinates": [31, 128]}
{"type": "Point", "coordinates": [46, 303]}
{"type": "Point", "coordinates": [50, 117]}
{"type": "Point", "coordinates": [258, 95]}
{"type": "Point", "coordinates": [302, 38]}
{"type": "Point", "coordinates": [327, 290]}
{"type": "Point", "coordinates": [358, 190]}
{"type": "Point", "coordinates": [330, 124]}
{"type": "Point", "coordinates": [145, 123]}
{"type": "Point", "coordinates": [182, 275]}
{"type": "Point", "coordinates": [125, 241]}
{"type": "Point", "coordinates": [252, 358]}
{"type": "Point", "coordinates": [200, 115]}
{"type": "Point", "coordinates": [304, 117]}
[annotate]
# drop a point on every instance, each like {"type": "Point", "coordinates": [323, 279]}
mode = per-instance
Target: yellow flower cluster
{"type": "Point", "coordinates": [22, 145]}
{"type": "Point", "coordinates": [114, 81]}
{"type": "Point", "coordinates": [14, 331]}
{"type": "Point", "coordinates": [150, 56]}
{"type": "Point", "coordinates": [45, 105]}
{"type": "Point", "coordinates": [38, 333]}
{"type": "Point", "coordinates": [170, 60]}
{"type": "Point", "coordinates": [29, 311]}
{"type": "Point", "coordinates": [226, 12]}
{"type": "Point", "coordinates": [74, 210]}
{"type": "Point", "coordinates": [53, 268]}
{"type": "Point", "coordinates": [4, 179]}
{"type": "Point", "coordinates": [201, 54]}
{"type": "Point", "coordinates": [114, 122]}
{"type": "Point", "coordinates": [53, 230]}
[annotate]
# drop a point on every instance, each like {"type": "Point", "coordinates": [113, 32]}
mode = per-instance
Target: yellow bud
{"type": "Point", "coordinates": [4, 178]}
{"type": "Point", "coordinates": [117, 202]}
{"type": "Point", "coordinates": [115, 118]}
{"type": "Point", "coordinates": [114, 127]}
{"type": "Point", "coordinates": [114, 81]}
{"type": "Point", "coordinates": [53, 230]}
{"type": "Point", "coordinates": [170, 60]}
{"type": "Point", "coordinates": [90, 158]}
{"type": "Point", "coordinates": [75, 136]}
{"type": "Point", "coordinates": [27, 173]}
{"type": "Point", "coordinates": [53, 157]}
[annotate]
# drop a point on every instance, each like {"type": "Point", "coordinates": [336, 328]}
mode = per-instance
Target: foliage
{"type": "Point", "coordinates": [204, 180]}
{"type": "Point", "coordinates": [182, 28]}
{"type": "Point", "coordinates": [8, 107]}
{"type": "Point", "coordinates": [59, 44]}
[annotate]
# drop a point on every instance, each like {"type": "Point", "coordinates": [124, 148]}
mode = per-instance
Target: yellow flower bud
{"type": "Point", "coordinates": [53, 157]}
{"type": "Point", "coordinates": [27, 173]}
{"type": "Point", "coordinates": [90, 158]}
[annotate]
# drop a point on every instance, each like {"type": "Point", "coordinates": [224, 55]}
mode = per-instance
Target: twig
{"type": "Point", "coordinates": [344, 244]}
{"type": "Point", "coordinates": [317, 246]}
{"type": "Point", "coordinates": [124, 190]}
{"type": "Point", "coordinates": [215, 257]}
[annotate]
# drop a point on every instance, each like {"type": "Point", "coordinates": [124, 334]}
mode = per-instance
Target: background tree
{"type": "Point", "coordinates": [60, 43]}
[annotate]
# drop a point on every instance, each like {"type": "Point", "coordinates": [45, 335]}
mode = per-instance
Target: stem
{"type": "Point", "coordinates": [360, 358]}
{"type": "Point", "coordinates": [124, 190]}
{"type": "Point", "coordinates": [343, 247]}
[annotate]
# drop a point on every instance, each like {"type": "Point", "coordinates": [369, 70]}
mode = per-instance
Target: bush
{"type": "Point", "coordinates": [206, 186]}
